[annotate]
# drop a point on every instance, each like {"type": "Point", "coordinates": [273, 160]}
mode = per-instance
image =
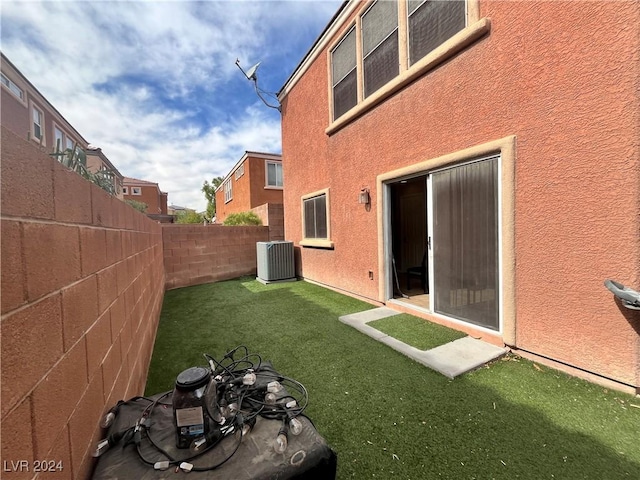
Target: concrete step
{"type": "Point", "coordinates": [451, 359]}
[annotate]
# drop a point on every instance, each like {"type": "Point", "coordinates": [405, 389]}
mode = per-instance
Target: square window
{"type": "Point", "coordinates": [316, 230]}
{"type": "Point", "coordinates": [136, 190]}
{"type": "Point", "coordinates": [274, 174]}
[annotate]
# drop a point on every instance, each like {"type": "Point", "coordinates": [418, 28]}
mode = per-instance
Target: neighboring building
{"type": "Point", "coordinates": [489, 148]}
{"type": "Point", "coordinates": [27, 113]}
{"type": "Point", "coordinates": [146, 192]}
{"type": "Point", "coordinates": [98, 161]}
{"type": "Point", "coordinates": [254, 181]}
{"type": "Point", "coordinates": [175, 209]}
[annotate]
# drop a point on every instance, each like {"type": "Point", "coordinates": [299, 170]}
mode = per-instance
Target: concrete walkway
{"type": "Point", "coordinates": [451, 359]}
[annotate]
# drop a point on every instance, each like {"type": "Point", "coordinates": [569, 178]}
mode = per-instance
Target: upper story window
{"type": "Point", "coordinates": [13, 88]}
{"type": "Point", "coordinates": [228, 191]}
{"type": "Point", "coordinates": [431, 23]}
{"type": "Point", "coordinates": [343, 72]}
{"type": "Point", "coordinates": [136, 190]}
{"type": "Point", "coordinates": [239, 171]}
{"type": "Point", "coordinates": [379, 45]}
{"type": "Point", "coordinates": [274, 174]}
{"type": "Point", "coordinates": [58, 139]}
{"type": "Point", "coordinates": [125, 190]}
{"type": "Point", "coordinates": [390, 44]}
{"type": "Point", "coordinates": [37, 126]}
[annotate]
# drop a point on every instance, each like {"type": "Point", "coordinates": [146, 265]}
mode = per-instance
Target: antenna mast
{"type": "Point", "coordinates": [252, 76]}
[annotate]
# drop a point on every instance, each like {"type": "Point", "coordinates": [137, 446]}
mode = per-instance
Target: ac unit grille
{"type": "Point", "coordinates": [275, 261]}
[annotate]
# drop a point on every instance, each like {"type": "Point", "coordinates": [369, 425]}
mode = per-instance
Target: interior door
{"type": "Point", "coordinates": [465, 234]}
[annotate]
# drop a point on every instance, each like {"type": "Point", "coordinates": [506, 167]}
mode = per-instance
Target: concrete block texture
{"type": "Point", "coordinates": [12, 266]}
{"type": "Point", "coordinates": [32, 343]}
{"type": "Point", "coordinates": [77, 266]}
{"type": "Point", "coordinates": [201, 254]}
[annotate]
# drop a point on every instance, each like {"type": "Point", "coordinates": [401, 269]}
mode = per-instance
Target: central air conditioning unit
{"type": "Point", "coordinates": [275, 261]}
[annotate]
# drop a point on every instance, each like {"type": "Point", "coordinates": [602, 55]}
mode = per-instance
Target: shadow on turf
{"type": "Point", "coordinates": [384, 414]}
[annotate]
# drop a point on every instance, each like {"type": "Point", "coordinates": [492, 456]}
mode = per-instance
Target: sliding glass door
{"type": "Point", "coordinates": [465, 236]}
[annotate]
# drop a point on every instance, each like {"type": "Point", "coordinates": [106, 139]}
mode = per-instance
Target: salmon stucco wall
{"type": "Point", "coordinates": [550, 74]}
{"type": "Point", "coordinates": [248, 190]}
{"type": "Point", "coordinates": [14, 113]}
{"type": "Point", "coordinates": [151, 196]}
{"type": "Point", "coordinates": [82, 288]}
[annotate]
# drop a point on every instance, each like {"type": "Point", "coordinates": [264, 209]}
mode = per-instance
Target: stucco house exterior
{"type": "Point", "coordinates": [254, 183]}
{"type": "Point", "coordinates": [488, 148]}
{"type": "Point", "coordinates": [146, 192]}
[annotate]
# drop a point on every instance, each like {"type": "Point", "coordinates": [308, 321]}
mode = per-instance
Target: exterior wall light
{"type": "Point", "coordinates": [363, 197]}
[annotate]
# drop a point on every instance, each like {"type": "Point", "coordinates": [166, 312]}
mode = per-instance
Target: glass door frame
{"type": "Point", "coordinates": [387, 239]}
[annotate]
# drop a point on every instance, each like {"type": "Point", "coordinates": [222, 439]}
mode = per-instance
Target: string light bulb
{"type": "Point", "coordinates": [295, 426]}
{"type": "Point", "coordinates": [274, 387]}
{"type": "Point", "coordinates": [249, 378]}
{"type": "Point", "coordinates": [280, 444]}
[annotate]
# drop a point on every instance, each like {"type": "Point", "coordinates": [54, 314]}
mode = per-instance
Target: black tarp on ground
{"type": "Point", "coordinates": [307, 456]}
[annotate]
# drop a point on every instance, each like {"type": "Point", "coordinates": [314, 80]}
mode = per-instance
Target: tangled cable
{"type": "Point", "coordinates": [240, 387]}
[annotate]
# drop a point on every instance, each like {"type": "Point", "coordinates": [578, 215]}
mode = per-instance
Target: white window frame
{"type": "Point", "coordinates": [317, 242]}
{"type": "Point", "coordinates": [239, 171]}
{"type": "Point", "coordinates": [12, 87]}
{"type": "Point", "coordinates": [228, 191]}
{"type": "Point", "coordinates": [266, 175]}
{"type": "Point", "coordinates": [136, 190]}
{"type": "Point", "coordinates": [41, 138]}
{"type": "Point", "coordinates": [125, 190]}
{"type": "Point", "coordinates": [63, 136]}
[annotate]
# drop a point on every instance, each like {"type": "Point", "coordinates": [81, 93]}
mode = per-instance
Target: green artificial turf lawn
{"type": "Point", "coordinates": [416, 332]}
{"type": "Point", "coordinates": [388, 417]}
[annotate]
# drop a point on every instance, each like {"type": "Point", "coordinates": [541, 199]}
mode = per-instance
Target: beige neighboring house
{"type": "Point", "coordinates": [28, 114]}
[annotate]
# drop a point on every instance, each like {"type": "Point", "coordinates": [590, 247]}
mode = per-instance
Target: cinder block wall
{"type": "Point", "coordinates": [82, 287]}
{"type": "Point", "coordinates": [196, 254]}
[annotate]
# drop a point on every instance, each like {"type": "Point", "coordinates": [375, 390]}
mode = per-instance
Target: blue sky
{"type": "Point", "coordinates": [154, 83]}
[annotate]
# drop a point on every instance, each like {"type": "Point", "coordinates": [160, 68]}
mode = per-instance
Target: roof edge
{"type": "Point", "coordinates": [248, 153]}
{"type": "Point", "coordinates": [344, 11]}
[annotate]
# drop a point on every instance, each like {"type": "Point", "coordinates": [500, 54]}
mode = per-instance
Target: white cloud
{"type": "Point", "coordinates": [154, 83]}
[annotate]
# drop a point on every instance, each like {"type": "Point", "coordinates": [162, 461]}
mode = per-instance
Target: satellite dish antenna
{"type": "Point", "coordinates": [251, 76]}
{"type": "Point", "coordinates": [251, 73]}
